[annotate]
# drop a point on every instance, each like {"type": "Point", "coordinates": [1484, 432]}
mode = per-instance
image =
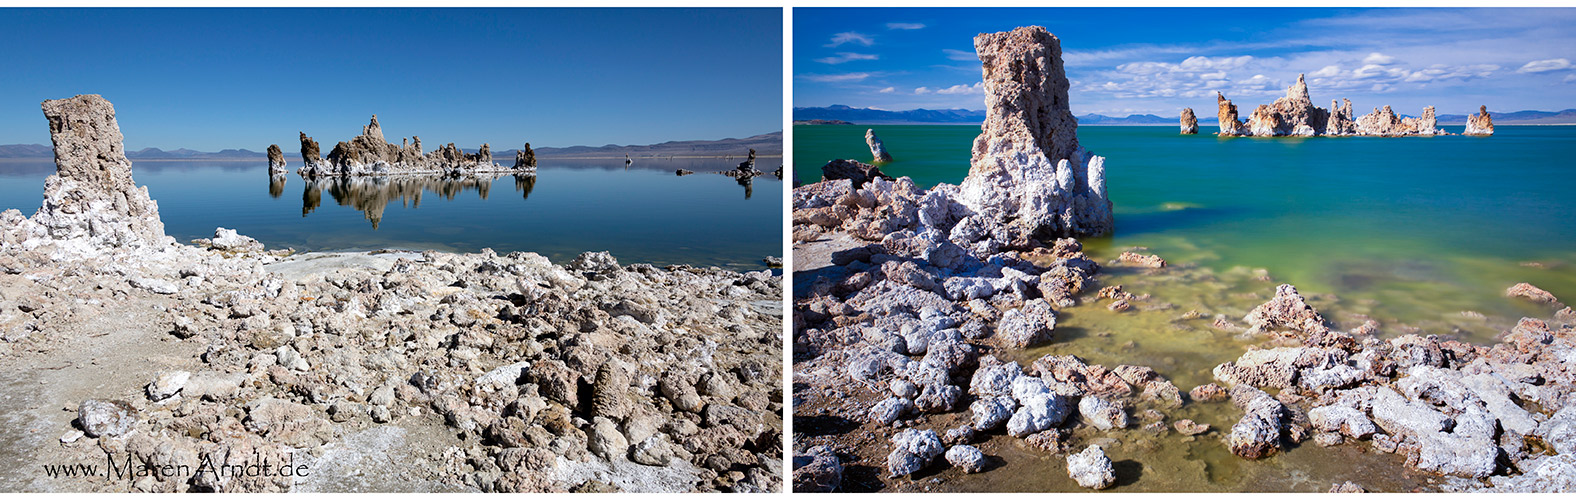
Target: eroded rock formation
{"type": "Point", "coordinates": [1028, 170]}
{"type": "Point", "coordinates": [1295, 115]}
{"type": "Point", "coordinates": [525, 158]}
{"type": "Point", "coordinates": [1189, 122]}
{"type": "Point", "coordinates": [1480, 123]}
{"type": "Point", "coordinates": [90, 203]}
{"type": "Point", "coordinates": [877, 149]}
{"type": "Point", "coordinates": [370, 154]}
{"type": "Point", "coordinates": [276, 160]}
{"type": "Point", "coordinates": [1227, 112]}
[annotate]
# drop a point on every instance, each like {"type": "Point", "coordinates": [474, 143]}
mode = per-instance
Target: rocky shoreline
{"type": "Point", "coordinates": [911, 305]}
{"type": "Point", "coordinates": [380, 371]}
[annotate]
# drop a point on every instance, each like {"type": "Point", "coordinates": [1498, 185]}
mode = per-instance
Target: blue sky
{"type": "Point", "coordinates": [210, 79]}
{"type": "Point", "coordinates": [1158, 60]}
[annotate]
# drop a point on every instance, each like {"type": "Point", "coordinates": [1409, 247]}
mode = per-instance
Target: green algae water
{"type": "Point", "coordinates": [1412, 231]}
{"type": "Point", "coordinates": [644, 214]}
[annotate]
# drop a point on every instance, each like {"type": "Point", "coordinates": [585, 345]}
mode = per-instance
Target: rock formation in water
{"type": "Point", "coordinates": [525, 158]}
{"type": "Point", "coordinates": [1028, 170]}
{"type": "Point", "coordinates": [877, 149]}
{"type": "Point", "coordinates": [1480, 123]}
{"type": "Point", "coordinates": [1227, 112]}
{"type": "Point", "coordinates": [1340, 122]}
{"type": "Point", "coordinates": [1189, 122]}
{"type": "Point", "coordinates": [276, 160]}
{"type": "Point", "coordinates": [370, 154]}
{"type": "Point", "coordinates": [1295, 115]}
{"type": "Point", "coordinates": [90, 203]}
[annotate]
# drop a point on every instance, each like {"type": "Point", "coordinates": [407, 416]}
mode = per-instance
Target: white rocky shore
{"type": "Point", "coordinates": [906, 300]}
{"type": "Point", "coordinates": [1295, 115]}
{"type": "Point", "coordinates": [381, 371]}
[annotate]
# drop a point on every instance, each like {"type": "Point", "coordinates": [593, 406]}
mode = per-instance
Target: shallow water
{"type": "Point", "coordinates": [1410, 230]}
{"type": "Point", "coordinates": [643, 214]}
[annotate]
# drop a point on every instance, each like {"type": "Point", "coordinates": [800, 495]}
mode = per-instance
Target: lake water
{"type": "Point", "coordinates": [1425, 226]}
{"type": "Point", "coordinates": [1410, 232]}
{"type": "Point", "coordinates": [642, 214]}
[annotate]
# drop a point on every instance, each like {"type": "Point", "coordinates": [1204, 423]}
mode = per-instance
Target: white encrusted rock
{"type": "Point", "coordinates": [1091, 468]}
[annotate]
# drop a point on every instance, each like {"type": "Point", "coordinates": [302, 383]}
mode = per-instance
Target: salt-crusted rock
{"type": "Point", "coordinates": [1101, 413]}
{"type": "Point", "coordinates": [276, 160]}
{"type": "Point", "coordinates": [1287, 311]}
{"type": "Point", "coordinates": [1348, 421]}
{"type": "Point", "coordinates": [1480, 123]}
{"type": "Point", "coordinates": [991, 412]}
{"type": "Point", "coordinates": [1027, 166]}
{"type": "Point", "coordinates": [1258, 433]}
{"type": "Point", "coordinates": [1039, 412]}
{"type": "Point", "coordinates": [1150, 261]}
{"type": "Point", "coordinates": [1189, 122]}
{"type": "Point", "coordinates": [858, 173]}
{"type": "Point", "coordinates": [817, 471]}
{"type": "Point", "coordinates": [1347, 487]}
{"type": "Point", "coordinates": [167, 385]}
{"type": "Point", "coordinates": [91, 205]}
{"type": "Point", "coordinates": [967, 458]}
{"type": "Point", "coordinates": [1091, 468]}
{"type": "Point", "coordinates": [1229, 124]}
{"type": "Point", "coordinates": [1461, 446]}
{"type": "Point", "coordinates": [877, 150]}
{"type": "Point", "coordinates": [1188, 427]}
{"type": "Point", "coordinates": [890, 409]}
{"type": "Point", "coordinates": [913, 450]}
{"type": "Point", "coordinates": [105, 418]}
{"type": "Point", "coordinates": [230, 241]}
{"type": "Point", "coordinates": [1031, 325]}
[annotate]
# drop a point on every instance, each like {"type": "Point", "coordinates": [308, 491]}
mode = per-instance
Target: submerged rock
{"type": "Point", "coordinates": [877, 149]}
{"type": "Point", "coordinates": [1480, 123]}
{"type": "Point", "coordinates": [1532, 293]}
{"type": "Point", "coordinates": [1189, 122]}
{"type": "Point", "coordinates": [1027, 165]}
{"type": "Point", "coordinates": [1091, 468]}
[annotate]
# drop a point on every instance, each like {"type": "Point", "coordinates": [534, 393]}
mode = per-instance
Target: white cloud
{"type": "Point", "coordinates": [905, 26]}
{"type": "Point", "coordinates": [1545, 65]}
{"type": "Point", "coordinates": [1377, 58]}
{"type": "Point", "coordinates": [922, 90]}
{"type": "Point", "coordinates": [843, 57]}
{"type": "Point", "coordinates": [1218, 75]}
{"type": "Point", "coordinates": [887, 90]}
{"type": "Point", "coordinates": [1326, 72]}
{"type": "Point", "coordinates": [960, 55]}
{"type": "Point", "coordinates": [1570, 78]}
{"type": "Point", "coordinates": [963, 89]}
{"type": "Point", "coordinates": [851, 37]}
{"type": "Point", "coordinates": [842, 77]}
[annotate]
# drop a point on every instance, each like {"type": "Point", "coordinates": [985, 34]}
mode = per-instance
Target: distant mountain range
{"type": "Point", "coordinates": [868, 116]}
{"type": "Point", "coordinates": [765, 145]}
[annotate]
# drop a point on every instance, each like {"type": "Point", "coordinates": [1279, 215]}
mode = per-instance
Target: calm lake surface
{"type": "Point", "coordinates": [1409, 232]}
{"type": "Point", "coordinates": [642, 214]}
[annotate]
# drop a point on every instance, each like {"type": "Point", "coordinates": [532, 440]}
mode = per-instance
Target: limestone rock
{"type": "Point", "coordinates": [1027, 166]}
{"type": "Point", "coordinates": [966, 457]}
{"type": "Point", "coordinates": [91, 203]}
{"type": "Point", "coordinates": [817, 471]}
{"type": "Point", "coordinates": [1103, 414]}
{"type": "Point", "coordinates": [311, 157]}
{"type": "Point", "coordinates": [1031, 325]}
{"type": "Point", "coordinates": [1341, 121]}
{"type": "Point", "coordinates": [1229, 124]}
{"type": "Point", "coordinates": [1091, 468]}
{"type": "Point", "coordinates": [525, 158]}
{"type": "Point", "coordinates": [913, 450]}
{"type": "Point", "coordinates": [1532, 293]}
{"type": "Point", "coordinates": [105, 418]}
{"type": "Point", "coordinates": [1291, 115]}
{"type": "Point", "coordinates": [167, 385]}
{"type": "Point", "coordinates": [276, 160]}
{"type": "Point", "coordinates": [877, 149]}
{"type": "Point", "coordinates": [1258, 433]}
{"type": "Point", "coordinates": [1189, 122]}
{"type": "Point", "coordinates": [1480, 123]}
{"type": "Point", "coordinates": [859, 173]}
{"type": "Point", "coordinates": [1287, 311]}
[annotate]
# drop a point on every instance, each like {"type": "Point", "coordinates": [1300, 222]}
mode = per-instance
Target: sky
{"type": "Point", "coordinates": [212, 79]}
{"type": "Point", "coordinates": [1123, 61]}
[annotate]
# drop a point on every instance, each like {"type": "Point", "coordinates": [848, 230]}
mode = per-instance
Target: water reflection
{"type": "Point", "coordinates": [276, 185]}
{"type": "Point", "coordinates": [371, 195]}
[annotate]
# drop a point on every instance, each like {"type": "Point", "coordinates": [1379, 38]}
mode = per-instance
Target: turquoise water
{"type": "Point", "coordinates": [1411, 231]}
{"type": "Point", "coordinates": [642, 214]}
